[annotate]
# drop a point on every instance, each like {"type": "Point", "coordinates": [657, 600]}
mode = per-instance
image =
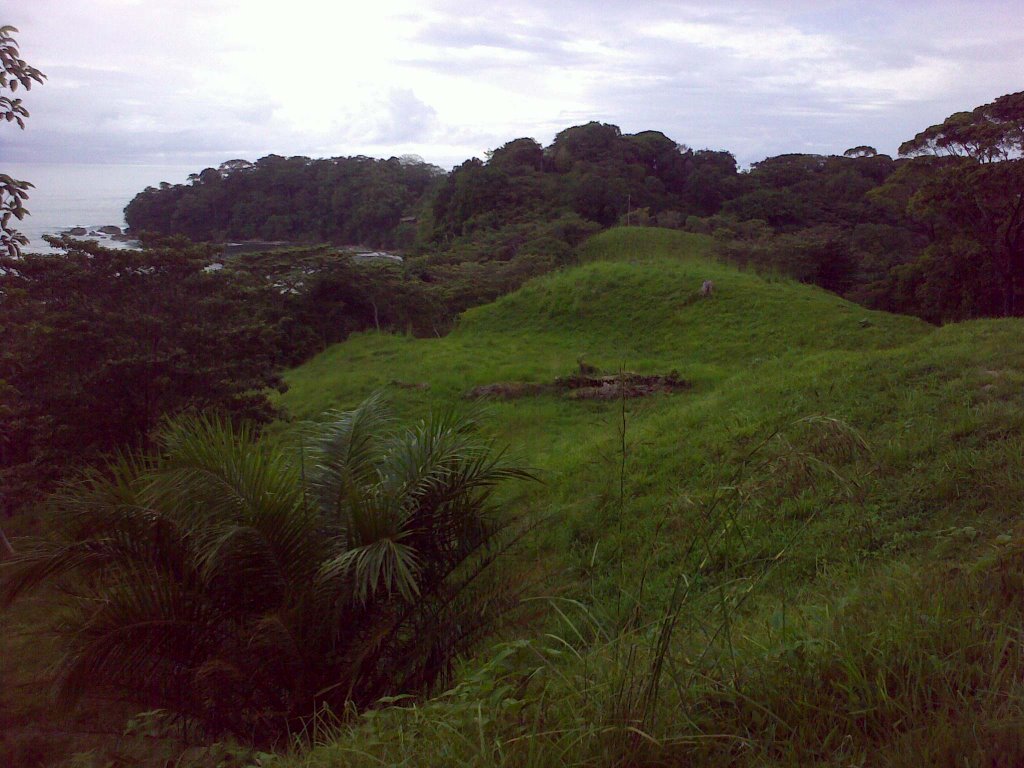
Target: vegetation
{"type": "Point", "coordinates": [242, 589]}
{"type": "Point", "coordinates": [809, 555]}
{"type": "Point", "coordinates": [809, 558]}
{"type": "Point", "coordinates": [100, 345]}
{"type": "Point", "coordinates": [14, 72]}
{"type": "Point", "coordinates": [343, 199]}
{"type": "Point", "coordinates": [937, 234]}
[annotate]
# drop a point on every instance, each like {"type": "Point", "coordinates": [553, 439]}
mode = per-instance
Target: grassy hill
{"type": "Point", "coordinates": [810, 557]}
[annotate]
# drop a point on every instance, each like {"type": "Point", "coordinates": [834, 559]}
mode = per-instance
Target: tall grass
{"type": "Point", "coordinates": [804, 601]}
{"type": "Point", "coordinates": [922, 670]}
{"type": "Point", "coordinates": [698, 678]}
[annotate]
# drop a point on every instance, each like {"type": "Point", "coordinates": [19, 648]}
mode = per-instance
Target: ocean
{"type": "Point", "coordinates": [80, 195]}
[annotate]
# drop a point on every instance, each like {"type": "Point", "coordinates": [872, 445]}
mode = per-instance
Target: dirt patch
{"type": "Point", "coordinates": [409, 384]}
{"type": "Point", "coordinates": [508, 390]}
{"type": "Point", "coordinates": [585, 387]}
{"type": "Point", "coordinates": [620, 385]}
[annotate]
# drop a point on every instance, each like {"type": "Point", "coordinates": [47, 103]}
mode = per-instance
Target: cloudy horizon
{"type": "Point", "coordinates": [197, 82]}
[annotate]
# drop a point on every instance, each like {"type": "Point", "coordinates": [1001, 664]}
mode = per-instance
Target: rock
{"type": "Point", "coordinates": [78, 232]}
{"type": "Point", "coordinates": [109, 229]}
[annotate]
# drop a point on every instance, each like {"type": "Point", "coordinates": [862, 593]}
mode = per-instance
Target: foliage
{"type": "Point", "coordinates": [988, 133]}
{"type": "Point", "coordinates": [940, 235]}
{"type": "Point", "coordinates": [912, 668]}
{"type": "Point", "coordinates": [484, 228]}
{"type": "Point", "coordinates": [886, 631]}
{"type": "Point", "coordinates": [964, 185]}
{"type": "Point", "coordinates": [14, 72]}
{"type": "Point", "coordinates": [974, 207]}
{"type": "Point", "coordinates": [311, 297]}
{"type": "Point", "coordinates": [101, 344]}
{"type": "Point", "coordinates": [243, 588]}
{"type": "Point", "coordinates": [341, 199]}
{"type": "Point", "coordinates": [592, 171]}
{"type": "Point", "coordinates": [876, 637]}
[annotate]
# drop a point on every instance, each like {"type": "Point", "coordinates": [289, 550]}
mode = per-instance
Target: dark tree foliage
{"type": "Point", "coordinates": [939, 235]}
{"type": "Point", "coordinates": [967, 185]}
{"type": "Point", "coordinates": [15, 72]}
{"type": "Point", "coordinates": [813, 217]}
{"type": "Point", "coordinates": [312, 297]}
{"type": "Point", "coordinates": [592, 171]}
{"type": "Point", "coordinates": [342, 200]}
{"type": "Point", "coordinates": [100, 345]}
{"type": "Point", "coordinates": [988, 133]}
{"type": "Point", "coordinates": [791, 192]}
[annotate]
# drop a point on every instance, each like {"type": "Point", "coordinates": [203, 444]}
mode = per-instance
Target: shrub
{"type": "Point", "coordinates": [243, 588]}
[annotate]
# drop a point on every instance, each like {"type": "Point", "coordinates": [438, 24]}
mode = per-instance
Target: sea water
{"type": "Point", "coordinates": [81, 195]}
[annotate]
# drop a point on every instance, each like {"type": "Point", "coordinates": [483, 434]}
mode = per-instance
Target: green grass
{"type": "Point", "coordinates": [851, 584]}
{"type": "Point", "coordinates": [641, 310]}
{"type": "Point", "coordinates": [811, 557]}
{"type": "Point", "coordinates": [761, 354]}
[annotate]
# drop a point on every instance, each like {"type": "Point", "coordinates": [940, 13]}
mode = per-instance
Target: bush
{"type": "Point", "coordinates": [243, 589]}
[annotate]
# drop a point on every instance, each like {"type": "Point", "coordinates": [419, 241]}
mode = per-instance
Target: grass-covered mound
{"type": "Point", "coordinates": [810, 556]}
{"type": "Point", "coordinates": [635, 302]}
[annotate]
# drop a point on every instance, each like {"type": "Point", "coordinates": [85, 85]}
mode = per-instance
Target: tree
{"type": "Point", "coordinates": [989, 133]}
{"type": "Point", "coordinates": [245, 587]}
{"type": "Point", "coordinates": [14, 72]}
{"type": "Point", "coordinates": [341, 199]}
{"type": "Point", "coordinates": [101, 344]}
{"type": "Point", "coordinates": [978, 194]}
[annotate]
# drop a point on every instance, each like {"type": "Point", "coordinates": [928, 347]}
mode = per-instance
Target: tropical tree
{"type": "Point", "coordinates": [15, 72]}
{"type": "Point", "coordinates": [977, 194]}
{"type": "Point", "coordinates": [988, 133]}
{"type": "Point", "coordinates": [244, 587]}
{"type": "Point", "coordinates": [101, 344]}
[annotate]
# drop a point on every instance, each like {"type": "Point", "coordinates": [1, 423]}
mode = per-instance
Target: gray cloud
{"type": "Point", "coordinates": [135, 81]}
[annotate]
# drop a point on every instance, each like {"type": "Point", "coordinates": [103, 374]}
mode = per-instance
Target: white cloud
{"type": "Point", "coordinates": [202, 80]}
{"type": "Point", "coordinates": [749, 40]}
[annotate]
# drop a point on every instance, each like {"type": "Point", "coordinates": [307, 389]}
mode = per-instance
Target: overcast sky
{"type": "Point", "coordinates": [196, 82]}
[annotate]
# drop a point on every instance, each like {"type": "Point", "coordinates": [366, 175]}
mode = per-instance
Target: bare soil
{"type": "Point", "coordinates": [585, 387]}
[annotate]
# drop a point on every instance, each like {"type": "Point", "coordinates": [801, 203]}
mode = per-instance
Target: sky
{"type": "Point", "coordinates": [197, 82]}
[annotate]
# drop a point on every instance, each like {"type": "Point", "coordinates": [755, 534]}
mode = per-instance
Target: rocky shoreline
{"type": "Point", "coordinates": [107, 232]}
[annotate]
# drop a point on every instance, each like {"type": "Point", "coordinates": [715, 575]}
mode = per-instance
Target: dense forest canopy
{"type": "Point", "coordinates": [341, 199]}
{"type": "Point", "coordinates": [936, 233]}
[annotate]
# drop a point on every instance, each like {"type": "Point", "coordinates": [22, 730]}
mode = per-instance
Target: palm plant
{"type": "Point", "coordinates": [244, 587]}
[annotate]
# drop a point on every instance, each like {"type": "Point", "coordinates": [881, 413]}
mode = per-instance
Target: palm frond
{"type": "Point", "coordinates": [209, 470]}
{"type": "Point", "coordinates": [386, 565]}
{"type": "Point", "coordinates": [345, 453]}
{"type": "Point", "coordinates": [144, 634]}
{"type": "Point", "coordinates": [211, 586]}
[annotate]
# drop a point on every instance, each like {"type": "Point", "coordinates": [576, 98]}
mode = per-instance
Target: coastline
{"type": "Point", "coordinates": [66, 196]}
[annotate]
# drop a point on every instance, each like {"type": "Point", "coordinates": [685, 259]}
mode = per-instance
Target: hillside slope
{"type": "Point", "coordinates": [634, 302]}
{"type": "Point", "coordinates": [828, 463]}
